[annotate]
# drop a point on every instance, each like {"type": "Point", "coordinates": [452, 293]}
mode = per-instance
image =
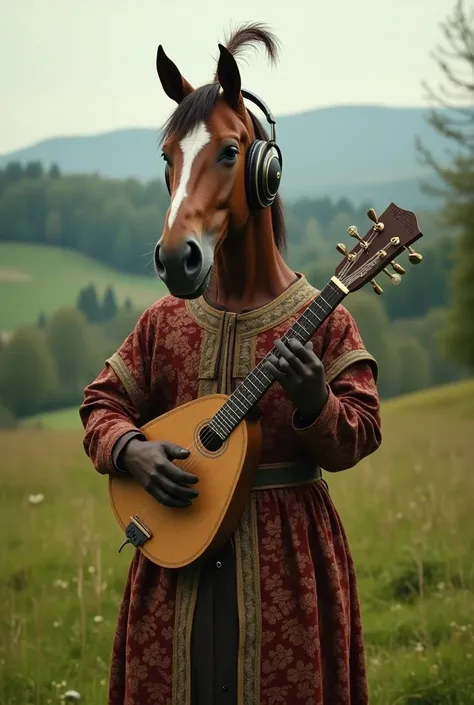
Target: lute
{"type": "Point", "coordinates": [224, 444]}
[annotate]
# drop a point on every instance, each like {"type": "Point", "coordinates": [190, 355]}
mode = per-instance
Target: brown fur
{"type": "Point", "coordinates": [248, 268]}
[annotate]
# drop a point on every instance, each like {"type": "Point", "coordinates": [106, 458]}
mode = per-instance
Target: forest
{"type": "Point", "coordinates": [117, 223]}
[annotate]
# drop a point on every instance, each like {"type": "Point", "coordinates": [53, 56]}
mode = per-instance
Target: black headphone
{"type": "Point", "coordinates": [263, 165]}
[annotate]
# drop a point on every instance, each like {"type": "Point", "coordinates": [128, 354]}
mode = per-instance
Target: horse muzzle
{"type": "Point", "coordinates": [185, 269]}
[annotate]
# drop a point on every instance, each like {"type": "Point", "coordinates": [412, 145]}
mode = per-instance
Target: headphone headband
{"type": "Point", "coordinates": [265, 110]}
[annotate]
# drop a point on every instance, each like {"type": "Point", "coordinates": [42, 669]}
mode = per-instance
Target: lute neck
{"type": "Point", "coordinates": [256, 384]}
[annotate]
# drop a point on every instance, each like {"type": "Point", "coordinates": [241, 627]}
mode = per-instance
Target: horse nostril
{"type": "Point", "coordinates": [192, 258]}
{"type": "Point", "coordinates": [158, 263]}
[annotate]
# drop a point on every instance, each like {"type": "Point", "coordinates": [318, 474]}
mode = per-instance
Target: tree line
{"type": "Point", "coordinates": [118, 222]}
{"type": "Point", "coordinates": [46, 367]}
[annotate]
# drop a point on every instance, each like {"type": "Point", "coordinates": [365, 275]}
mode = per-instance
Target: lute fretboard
{"type": "Point", "coordinates": [256, 384]}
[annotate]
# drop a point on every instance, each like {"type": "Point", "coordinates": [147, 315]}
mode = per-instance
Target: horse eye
{"type": "Point", "coordinates": [229, 154]}
{"type": "Point", "coordinates": [165, 158]}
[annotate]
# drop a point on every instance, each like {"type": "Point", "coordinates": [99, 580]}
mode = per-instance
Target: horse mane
{"type": "Point", "coordinates": [197, 106]}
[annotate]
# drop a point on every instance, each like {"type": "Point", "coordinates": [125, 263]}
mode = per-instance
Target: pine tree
{"type": "Point", "coordinates": [88, 304]}
{"type": "Point", "coordinates": [109, 307]}
{"type": "Point", "coordinates": [42, 320]}
{"type": "Point", "coordinates": [456, 123]}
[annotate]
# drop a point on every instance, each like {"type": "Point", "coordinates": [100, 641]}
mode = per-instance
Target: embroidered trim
{"type": "Point", "coordinates": [253, 322]}
{"type": "Point", "coordinates": [186, 596]}
{"type": "Point", "coordinates": [346, 360]}
{"type": "Point", "coordinates": [120, 367]}
{"type": "Point", "coordinates": [249, 607]}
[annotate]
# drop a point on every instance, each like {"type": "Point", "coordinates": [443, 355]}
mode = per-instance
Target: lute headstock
{"type": "Point", "coordinates": [396, 230]}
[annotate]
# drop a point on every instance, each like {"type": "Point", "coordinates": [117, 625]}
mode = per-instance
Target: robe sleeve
{"type": "Point", "coordinates": [349, 427]}
{"type": "Point", "coordinates": [108, 411]}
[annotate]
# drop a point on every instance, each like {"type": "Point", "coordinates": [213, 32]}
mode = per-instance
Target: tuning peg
{"type": "Point", "coordinates": [340, 247]}
{"type": "Point", "coordinates": [353, 232]}
{"type": "Point", "coordinates": [414, 257]}
{"type": "Point", "coordinates": [395, 279]}
{"type": "Point", "coordinates": [372, 215]}
{"type": "Point", "coordinates": [377, 288]}
{"type": "Point", "coordinates": [397, 267]}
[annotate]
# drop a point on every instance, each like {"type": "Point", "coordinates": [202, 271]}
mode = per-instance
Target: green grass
{"type": "Point", "coordinates": [39, 278]}
{"type": "Point", "coordinates": [408, 513]}
{"type": "Point", "coordinates": [62, 420]}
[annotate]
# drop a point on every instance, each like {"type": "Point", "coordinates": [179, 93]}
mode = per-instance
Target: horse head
{"type": "Point", "coordinates": [219, 170]}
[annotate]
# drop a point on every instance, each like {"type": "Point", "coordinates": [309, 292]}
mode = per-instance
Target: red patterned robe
{"type": "Point", "coordinates": [274, 618]}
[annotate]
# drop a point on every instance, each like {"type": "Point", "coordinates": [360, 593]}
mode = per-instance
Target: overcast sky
{"type": "Point", "coordinates": [87, 66]}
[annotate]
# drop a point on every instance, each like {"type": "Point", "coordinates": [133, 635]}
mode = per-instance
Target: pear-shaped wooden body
{"type": "Point", "coordinates": [181, 536]}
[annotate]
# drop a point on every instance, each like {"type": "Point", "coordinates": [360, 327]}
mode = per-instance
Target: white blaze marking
{"type": "Point", "coordinates": [190, 145]}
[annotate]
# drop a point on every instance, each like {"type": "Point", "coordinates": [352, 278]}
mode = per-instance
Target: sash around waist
{"type": "Point", "coordinates": [280, 475]}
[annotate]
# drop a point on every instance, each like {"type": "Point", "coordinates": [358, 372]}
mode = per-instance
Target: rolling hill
{"type": "Point", "coordinates": [40, 278]}
{"type": "Point", "coordinates": [365, 153]}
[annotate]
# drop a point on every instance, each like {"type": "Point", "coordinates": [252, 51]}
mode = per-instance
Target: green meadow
{"type": "Point", "coordinates": [408, 511]}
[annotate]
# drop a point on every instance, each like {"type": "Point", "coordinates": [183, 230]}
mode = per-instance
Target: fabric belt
{"type": "Point", "coordinates": [280, 475]}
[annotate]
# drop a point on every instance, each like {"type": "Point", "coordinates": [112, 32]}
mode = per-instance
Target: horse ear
{"type": "Point", "coordinates": [174, 85]}
{"type": "Point", "coordinates": [228, 75]}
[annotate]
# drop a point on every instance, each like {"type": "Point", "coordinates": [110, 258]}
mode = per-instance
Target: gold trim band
{"type": "Point", "coordinates": [137, 396]}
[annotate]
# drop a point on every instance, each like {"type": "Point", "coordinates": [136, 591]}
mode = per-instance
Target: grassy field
{"type": "Point", "coordinates": [62, 420]}
{"type": "Point", "coordinates": [408, 511]}
{"type": "Point", "coordinates": [38, 278]}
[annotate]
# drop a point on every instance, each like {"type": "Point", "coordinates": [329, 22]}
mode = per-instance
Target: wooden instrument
{"type": "Point", "coordinates": [224, 445]}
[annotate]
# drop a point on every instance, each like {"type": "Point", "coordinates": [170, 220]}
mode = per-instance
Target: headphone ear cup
{"type": "Point", "coordinates": [251, 173]}
{"type": "Point", "coordinates": [262, 174]}
{"type": "Point", "coordinates": [270, 174]}
{"type": "Point", "coordinates": [167, 178]}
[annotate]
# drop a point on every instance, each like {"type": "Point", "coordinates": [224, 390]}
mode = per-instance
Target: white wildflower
{"type": "Point", "coordinates": [419, 648]}
{"type": "Point", "coordinates": [72, 696]}
{"type": "Point", "coordinates": [61, 584]}
{"type": "Point", "coordinates": [56, 625]}
{"type": "Point", "coordinates": [91, 569]}
{"type": "Point", "coordinates": [98, 619]}
{"type": "Point", "coordinates": [35, 498]}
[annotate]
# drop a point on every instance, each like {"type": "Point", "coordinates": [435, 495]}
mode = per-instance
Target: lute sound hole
{"type": "Point", "coordinates": [210, 440]}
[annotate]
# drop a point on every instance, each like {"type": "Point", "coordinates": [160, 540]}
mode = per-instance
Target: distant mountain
{"type": "Point", "coordinates": [365, 153]}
